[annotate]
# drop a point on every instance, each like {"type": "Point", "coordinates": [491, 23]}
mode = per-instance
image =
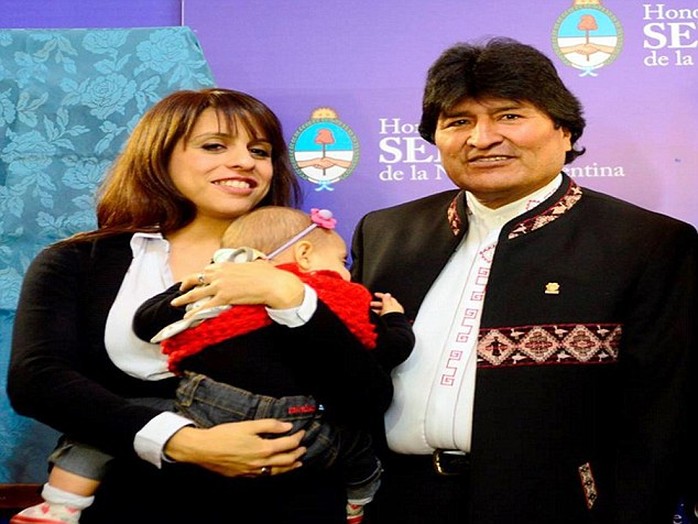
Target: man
{"type": "Point", "coordinates": [550, 382]}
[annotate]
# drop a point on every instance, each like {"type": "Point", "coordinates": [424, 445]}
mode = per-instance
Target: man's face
{"type": "Point", "coordinates": [500, 150]}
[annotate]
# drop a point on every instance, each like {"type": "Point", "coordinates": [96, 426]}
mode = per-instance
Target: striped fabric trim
{"type": "Point", "coordinates": [556, 344]}
{"type": "Point", "coordinates": [588, 484]}
{"type": "Point", "coordinates": [569, 199]}
{"type": "Point", "coordinates": [454, 221]}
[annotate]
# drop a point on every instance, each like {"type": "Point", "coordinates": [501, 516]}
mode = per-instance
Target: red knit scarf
{"type": "Point", "coordinates": [348, 300]}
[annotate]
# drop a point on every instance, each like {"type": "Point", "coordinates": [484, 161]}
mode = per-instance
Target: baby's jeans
{"type": "Point", "coordinates": [208, 403]}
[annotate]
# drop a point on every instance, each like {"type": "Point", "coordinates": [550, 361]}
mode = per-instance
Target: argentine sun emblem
{"type": "Point", "coordinates": [324, 150]}
{"type": "Point", "coordinates": [587, 36]}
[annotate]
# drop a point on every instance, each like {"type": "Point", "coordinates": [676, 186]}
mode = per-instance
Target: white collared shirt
{"type": "Point", "coordinates": [148, 275]}
{"type": "Point", "coordinates": [432, 405]}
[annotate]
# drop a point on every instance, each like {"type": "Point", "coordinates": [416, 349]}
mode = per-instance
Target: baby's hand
{"type": "Point", "coordinates": [385, 303]}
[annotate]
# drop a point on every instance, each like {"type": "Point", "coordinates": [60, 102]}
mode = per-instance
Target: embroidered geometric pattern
{"type": "Point", "coordinates": [588, 484]}
{"type": "Point", "coordinates": [449, 374]}
{"type": "Point", "coordinates": [557, 344]}
{"type": "Point", "coordinates": [454, 220]}
{"type": "Point", "coordinates": [569, 199]}
{"type": "Point", "coordinates": [462, 344]}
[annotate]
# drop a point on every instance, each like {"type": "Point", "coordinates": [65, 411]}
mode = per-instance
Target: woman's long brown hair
{"type": "Point", "coordinates": [138, 193]}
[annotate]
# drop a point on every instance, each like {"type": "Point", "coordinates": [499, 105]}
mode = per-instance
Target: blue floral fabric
{"type": "Point", "coordinates": [68, 100]}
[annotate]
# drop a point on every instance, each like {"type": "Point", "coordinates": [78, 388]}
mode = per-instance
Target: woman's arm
{"type": "Point", "coordinates": [212, 448]}
{"type": "Point", "coordinates": [347, 374]}
{"type": "Point", "coordinates": [157, 312]}
{"type": "Point", "coordinates": [257, 282]}
{"type": "Point", "coordinates": [60, 374]}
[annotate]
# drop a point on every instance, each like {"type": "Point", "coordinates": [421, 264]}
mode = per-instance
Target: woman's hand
{"type": "Point", "coordinates": [238, 449]}
{"type": "Point", "coordinates": [257, 282]}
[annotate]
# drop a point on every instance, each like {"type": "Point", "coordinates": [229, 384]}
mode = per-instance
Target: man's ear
{"type": "Point", "coordinates": [301, 253]}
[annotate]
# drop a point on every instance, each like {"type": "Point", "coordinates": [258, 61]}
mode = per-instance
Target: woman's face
{"type": "Point", "coordinates": [225, 176]}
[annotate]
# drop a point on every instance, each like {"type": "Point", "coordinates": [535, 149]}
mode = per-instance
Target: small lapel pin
{"type": "Point", "coordinates": [552, 288]}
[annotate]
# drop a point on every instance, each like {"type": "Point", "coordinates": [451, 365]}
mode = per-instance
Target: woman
{"type": "Point", "coordinates": [195, 161]}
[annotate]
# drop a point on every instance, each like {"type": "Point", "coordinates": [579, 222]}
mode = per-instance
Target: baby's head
{"type": "Point", "coordinates": [288, 235]}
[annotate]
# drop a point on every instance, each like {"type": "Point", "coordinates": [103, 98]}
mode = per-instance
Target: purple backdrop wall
{"type": "Point", "coordinates": [367, 61]}
{"type": "Point", "coordinates": [55, 14]}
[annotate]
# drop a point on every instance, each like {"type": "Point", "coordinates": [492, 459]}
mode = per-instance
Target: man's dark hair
{"type": "Point", "coordinates": [501, 68]}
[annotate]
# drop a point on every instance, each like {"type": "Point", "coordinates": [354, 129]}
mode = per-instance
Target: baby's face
{"type": "Point", "coordinates": [331, 254]}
